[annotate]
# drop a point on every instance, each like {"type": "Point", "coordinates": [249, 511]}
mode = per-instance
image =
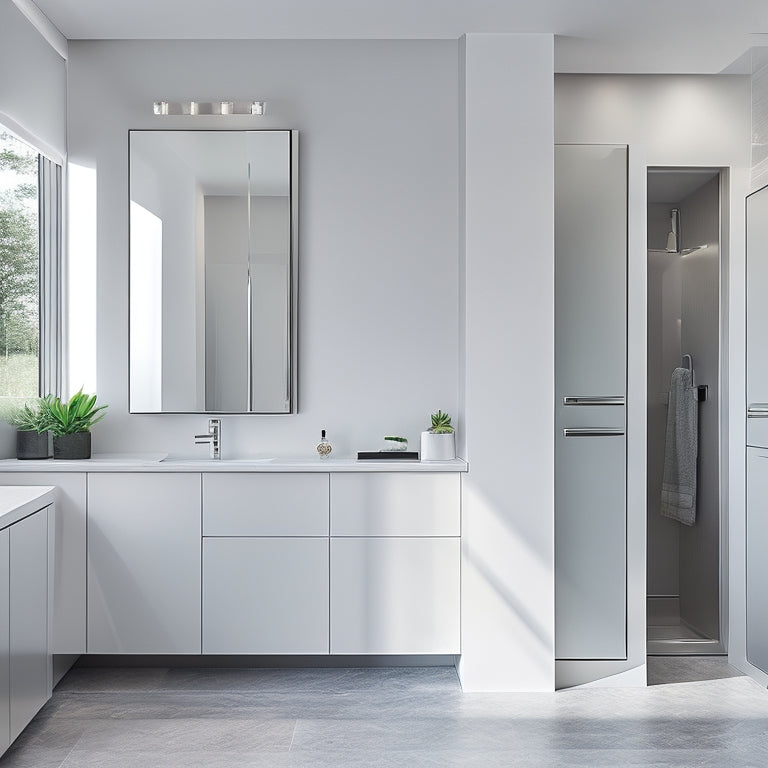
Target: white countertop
{"type": "Point", "coordinates": [17, 501]}
{"type": "Point", "coordinates": [159, 462]}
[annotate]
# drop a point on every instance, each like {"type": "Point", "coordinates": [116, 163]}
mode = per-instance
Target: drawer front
{"type": "Point", "coordinates": [390, 504]}
{"type": "Point", "coordinates": [265, 504]}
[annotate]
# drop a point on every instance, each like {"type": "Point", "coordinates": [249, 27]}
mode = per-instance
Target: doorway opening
{"type": "Point", "coordinates": [685, 552]}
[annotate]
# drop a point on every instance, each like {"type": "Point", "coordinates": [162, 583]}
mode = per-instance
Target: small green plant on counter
{"type": "Point", "coordinates": [441, 423]}
{"type": "Point", "coordinates": [395, 439]}
{"type": "Point", "coordinates": [32, 416]}
{"type": "Point", "coordinates": [79, 414]}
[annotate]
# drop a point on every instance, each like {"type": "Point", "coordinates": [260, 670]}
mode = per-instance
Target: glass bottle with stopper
{"type": "Point", "coordinates": [324, 447]}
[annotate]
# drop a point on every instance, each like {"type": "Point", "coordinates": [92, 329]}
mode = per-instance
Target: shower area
{"type": "Point", "coordinates": [684, 561]}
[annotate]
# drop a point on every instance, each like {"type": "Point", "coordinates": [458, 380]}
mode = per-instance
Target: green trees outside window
{"type": "Point", "coordinates": [19, 270]}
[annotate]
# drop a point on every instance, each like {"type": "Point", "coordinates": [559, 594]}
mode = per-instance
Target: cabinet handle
{"type": "Point", "coordinates": [589, 432]}
{"type": "Point", "coordinates": [591, 400]}
{"type": "Point", "coordinates": [757, 411]}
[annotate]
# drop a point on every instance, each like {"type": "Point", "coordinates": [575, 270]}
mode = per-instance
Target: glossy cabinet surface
{"type": "Point", "coordinates": [5, 645]}
{"type": "Point", "coordinates": [757, 561]}
{"type": "Point", "coordinates": [757, 318]}
{"type": "Point", "coordinates": [591, 221]}
{"type": "Point", "coordinates": [144, 563]}
{"type": "Point", "coordinates": [29, 681]}
{"type": "Point", "coordinates": [265, 595]}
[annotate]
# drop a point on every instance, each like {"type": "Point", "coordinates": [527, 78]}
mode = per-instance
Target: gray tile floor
{"type": "Point", "coordinates": [157, 718]}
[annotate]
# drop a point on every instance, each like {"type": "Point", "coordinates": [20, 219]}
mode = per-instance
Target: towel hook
{"type": "Point", "coordinates": [702, 392]}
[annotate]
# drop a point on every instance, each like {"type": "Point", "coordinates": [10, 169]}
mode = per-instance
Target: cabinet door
{"type": "Point", "coordinates": [590, 389]}
{"type": "Point", "coordinates": [5, 648]}
{"type": "Point", "coordinates": [68, 561]}
{"type": "Point", "coordinates": [757, 318]}
{"type": "Point", "coordinates": [265, 595]}
{"type": "Point", "coordinates": [590, 270]}
{"type": "Point", "coordinates": [395, 595]}
{"type": "Point", "coordinates": [28, 619]}
{"type": "Point", "coordinates": [143, 563]}
{"type": "Point", "coordinates": [590, 549]}
{"type": "Point", "coordinates": [757, 562]}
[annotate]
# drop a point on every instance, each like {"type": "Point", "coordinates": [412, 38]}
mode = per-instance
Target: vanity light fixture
{"type": "Point", "coordinates": [195, 108]}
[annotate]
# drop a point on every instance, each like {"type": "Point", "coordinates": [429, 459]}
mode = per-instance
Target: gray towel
{"type": "Point", "coordinates": [678, 487]}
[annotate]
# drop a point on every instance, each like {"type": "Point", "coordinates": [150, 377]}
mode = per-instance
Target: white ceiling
{"type": "Point", "coordinates": [629, 36]}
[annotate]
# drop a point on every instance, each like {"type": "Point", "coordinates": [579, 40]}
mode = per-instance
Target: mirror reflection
{"type": "Point", "coordinates": [212, 271]}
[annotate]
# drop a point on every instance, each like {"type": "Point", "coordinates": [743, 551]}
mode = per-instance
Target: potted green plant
{"type": "Point", "coordinates": [32, 422]}
{"type": "Point", "coordinates": [71, 424]}
{"type": "Point", "coordinates": [438, 443]}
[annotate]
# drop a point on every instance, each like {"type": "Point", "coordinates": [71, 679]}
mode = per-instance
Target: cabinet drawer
{"type": "Point", "coordinates": [395, 504]}
{"type": "Point", "coordinates": [265, 504]}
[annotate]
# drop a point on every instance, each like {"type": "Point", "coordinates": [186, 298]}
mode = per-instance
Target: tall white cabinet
{"type": "Point", "coordinates": [757, 430]}
{"type": "Point", "coordinates": [590, 406]}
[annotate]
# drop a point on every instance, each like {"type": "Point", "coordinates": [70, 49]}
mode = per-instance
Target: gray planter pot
{"type": "Point", "coordinates": [74, 446]}
{"type": "Point", "coordinates": [32, 445]}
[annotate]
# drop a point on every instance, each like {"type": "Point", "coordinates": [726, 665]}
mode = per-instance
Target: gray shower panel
{"type": "Point", "coordinates": [590, 385]}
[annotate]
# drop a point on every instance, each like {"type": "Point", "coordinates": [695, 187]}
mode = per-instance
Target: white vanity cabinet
{"type": "Point", "coordinates": [25, 609]}
{"type": "Point", "coordinates": [143, 562]}
{"type": "Point", "coordinates": [395, 563]}
{"type": "Point", "coordinates": [265, 563]}
{"type": "Point", "coordinates": [29, 678]}
{"type": "Point", "coordinates": [68, 557]}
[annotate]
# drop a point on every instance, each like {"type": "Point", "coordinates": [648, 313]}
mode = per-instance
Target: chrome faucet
{"type": "Point", "coordinates": [213, 438]}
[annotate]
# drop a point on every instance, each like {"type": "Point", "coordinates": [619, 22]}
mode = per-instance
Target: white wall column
{"type": "Point", "coordinates": [507, 359]}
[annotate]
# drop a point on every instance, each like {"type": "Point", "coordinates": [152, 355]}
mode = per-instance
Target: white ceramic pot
{"type": "Point", "coordinates": [438, 447]}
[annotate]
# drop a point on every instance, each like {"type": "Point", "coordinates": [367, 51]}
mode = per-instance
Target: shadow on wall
{"type": "Point", "coordinates": [510, 581]}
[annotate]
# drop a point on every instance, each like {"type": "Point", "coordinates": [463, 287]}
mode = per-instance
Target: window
{"type": "Point", "coordinates": [30, 242]}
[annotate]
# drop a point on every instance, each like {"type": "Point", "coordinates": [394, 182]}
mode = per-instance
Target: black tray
{"type": "Point", "coordinates": [388, 455]}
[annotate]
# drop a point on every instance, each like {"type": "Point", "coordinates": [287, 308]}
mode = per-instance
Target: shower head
{"type": "Point", "coordinates": [673, 238]}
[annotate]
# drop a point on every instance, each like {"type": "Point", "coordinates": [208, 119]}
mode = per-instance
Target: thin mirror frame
{"type": "Point", "coordinates": [293, 277]}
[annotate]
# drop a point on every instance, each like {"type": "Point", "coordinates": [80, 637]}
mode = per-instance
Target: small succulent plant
{"type": "Point", "coordinates": [441, 424]}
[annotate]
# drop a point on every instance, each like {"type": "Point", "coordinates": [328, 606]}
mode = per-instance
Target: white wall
{"type": "Point", "coordinates": [507, 277]}
{"type": "Point", "coordinates": [378, 282]}
{"type": "Point", "coordinates": [682, 121]}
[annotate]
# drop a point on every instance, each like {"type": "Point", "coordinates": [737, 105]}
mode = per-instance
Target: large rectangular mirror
{"type": "Point", "coordinates": [213, 268]}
